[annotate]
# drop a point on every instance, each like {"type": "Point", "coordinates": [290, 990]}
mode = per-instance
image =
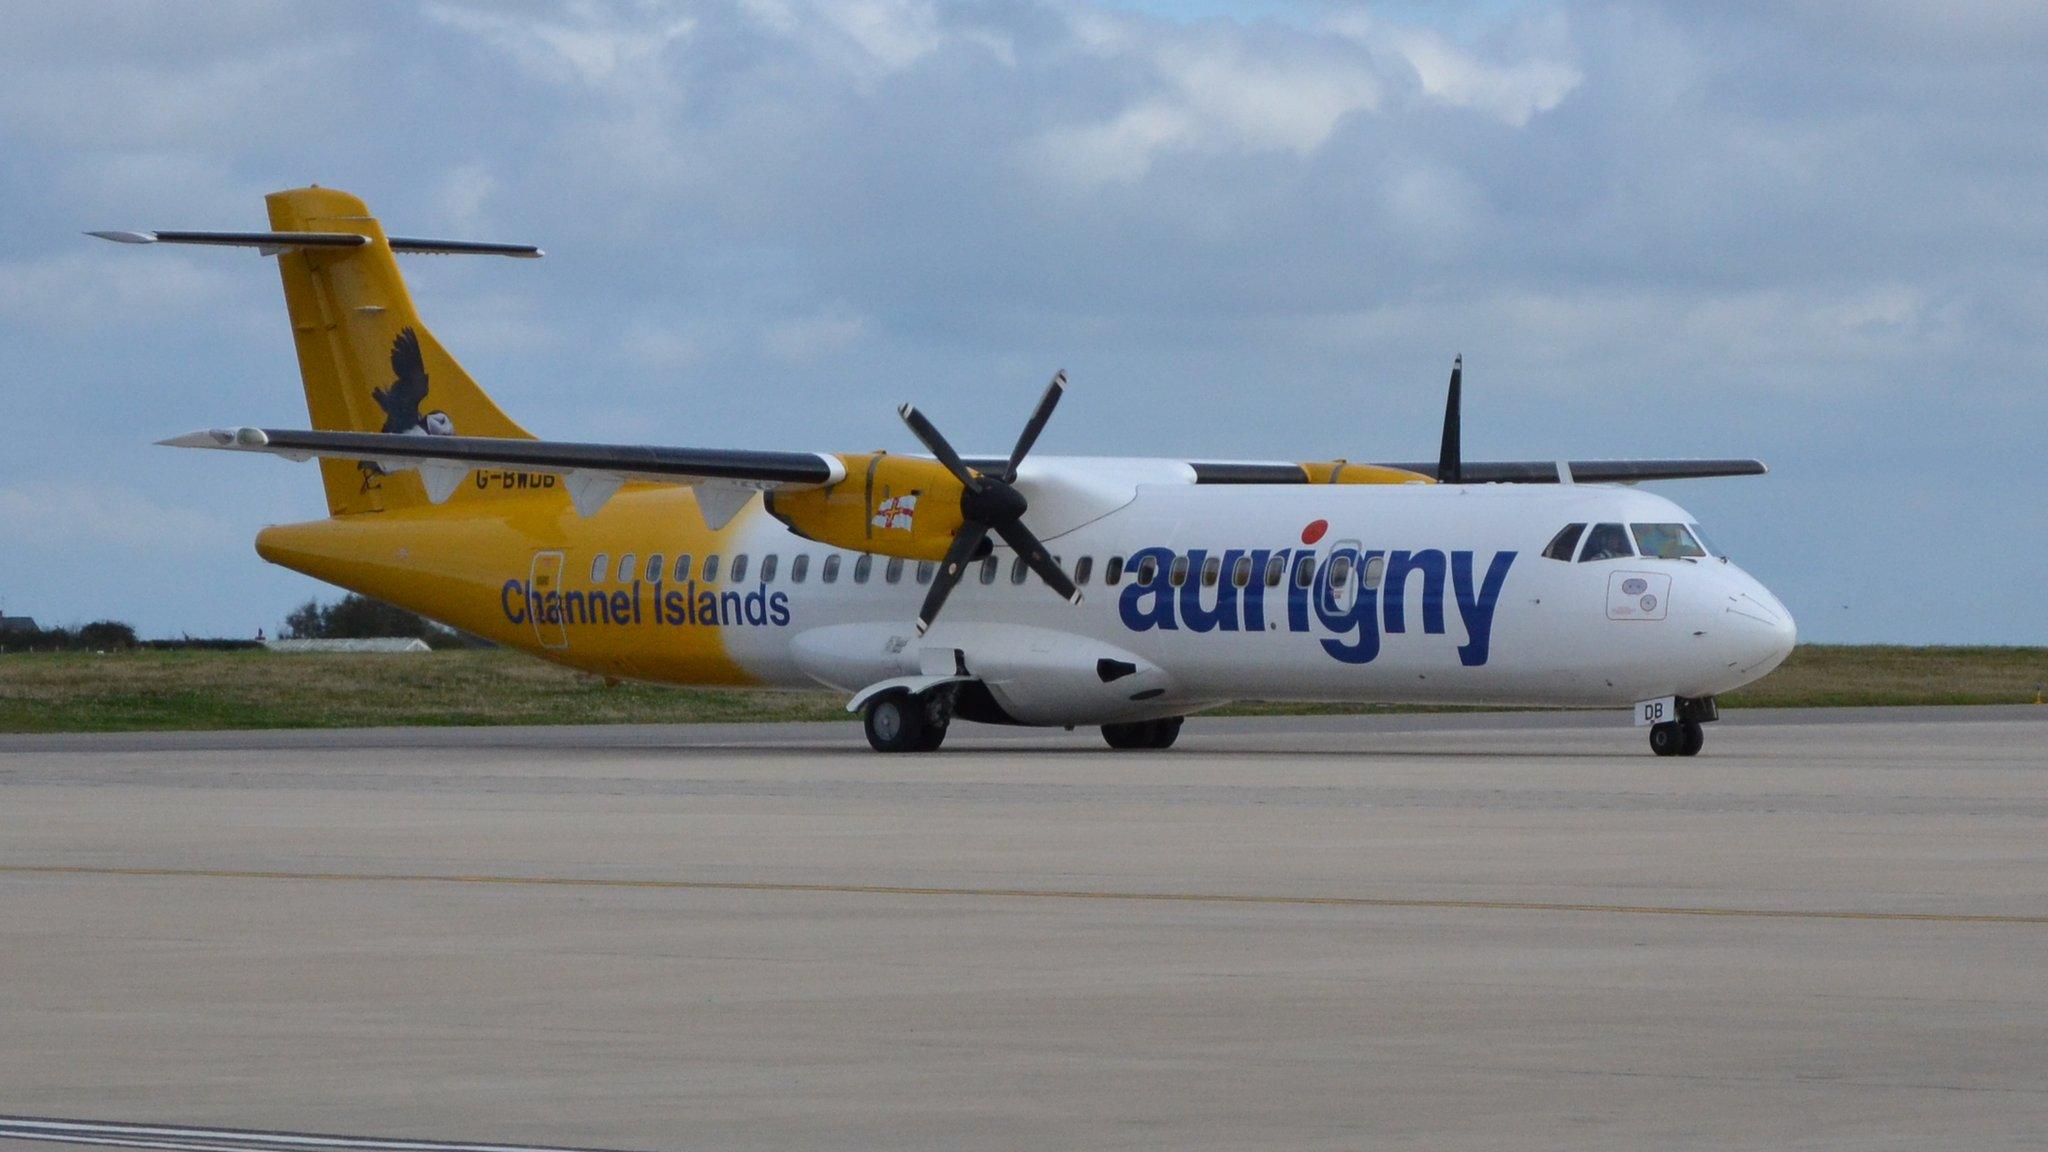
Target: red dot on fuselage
{"type": "Point", "coordinates": [1314, 531]}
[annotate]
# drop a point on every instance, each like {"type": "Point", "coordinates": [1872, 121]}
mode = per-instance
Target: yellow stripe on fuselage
{"type": "Point", "coordinates": [473, 571]}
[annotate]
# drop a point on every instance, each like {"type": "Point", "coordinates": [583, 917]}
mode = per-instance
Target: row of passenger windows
{"type": "Point", "coordinates": [1613, 541]}
{"type": "Point", "coordinates": [657, 569]}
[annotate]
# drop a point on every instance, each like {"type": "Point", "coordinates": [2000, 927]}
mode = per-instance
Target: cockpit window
{"type": "Point", "coordinates": [1704, 542]}
{"type": "Point", "coordinates": [1666, 541]}
{"type": "Point", "coordinates": [1565, 542]}
{"type": "Point", "coordinates": [1606, 542]}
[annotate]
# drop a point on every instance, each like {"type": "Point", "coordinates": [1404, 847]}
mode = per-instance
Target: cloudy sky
{"type": "Point", "coordinates": [1811, 232]}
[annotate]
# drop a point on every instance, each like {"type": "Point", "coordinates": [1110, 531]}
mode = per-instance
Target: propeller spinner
{"type": "Point", "coordinates": [989, 504]}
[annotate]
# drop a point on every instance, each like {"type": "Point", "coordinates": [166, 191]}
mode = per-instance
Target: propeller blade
{"type": "Point", "coordinates": [1450, 461]}
{"type": "Point", "coordinates": [965, 543]}
{"type": "Point", "coordinates": [1017, 536]}
{"type": "Point", "coordinates": [937, 444]}
{"type": "Point", "coordinates": [1036, 424]}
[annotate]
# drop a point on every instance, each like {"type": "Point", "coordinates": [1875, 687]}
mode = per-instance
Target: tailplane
{"type": "Point", "coordinates": [368, 363]}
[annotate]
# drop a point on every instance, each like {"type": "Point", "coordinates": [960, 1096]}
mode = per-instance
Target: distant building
{"type": "Point", "coordinates": [12, 625]}
{"type": "Point", "coordinates": [379, 644]}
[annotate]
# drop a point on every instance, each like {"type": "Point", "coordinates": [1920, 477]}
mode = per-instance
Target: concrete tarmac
{"type": "Point", "coordinates": [1829, 930]}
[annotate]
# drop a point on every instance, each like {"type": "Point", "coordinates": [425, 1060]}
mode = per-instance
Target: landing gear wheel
{"type": "Point", "coordinates": [895, 723]}
{"type": "Point", "coordinates": [1666, 739]}
{"type": "Point", "coordinates": [1165, 732]}
{"type": "Point", "coordinates": [934, 735]}
{"type": "Point", "coordinates": [1692, 737]}
{"type": "Point", "coordinates": [1143, 733]}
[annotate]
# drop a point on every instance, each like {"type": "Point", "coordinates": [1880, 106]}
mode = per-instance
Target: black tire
{"type": "Point", "coordinates": [934, 735]}
{"type": "Point", "coordinates": [894, 722]}
{"type": "Point", "coordinates": [1143, 733]}
{"type": "Point", "coordinates": [1666, 739]}
{"type": "Point", "coordinates": [1692, 736]}
{"type": "Point", "coordinates": [1165, 732]}
{"type": "Point", "coordinates": [1122, 736]}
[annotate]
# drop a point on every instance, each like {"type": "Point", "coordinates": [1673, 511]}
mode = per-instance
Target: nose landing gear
{"type": "Point", "coordinates": [1686, 735]}
{"type": "Point", "coordinates": [1678, 738]}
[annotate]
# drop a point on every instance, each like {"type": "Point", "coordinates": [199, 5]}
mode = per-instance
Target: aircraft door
{"type": "Point", "coordinates": [543, 600]}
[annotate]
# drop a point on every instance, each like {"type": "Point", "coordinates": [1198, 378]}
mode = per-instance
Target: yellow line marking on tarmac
{"type": "Point", "coordinates": [1024, 893]}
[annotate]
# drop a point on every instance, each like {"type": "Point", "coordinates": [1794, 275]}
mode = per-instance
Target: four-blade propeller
{"type": "Point", "coordinates": [989, 504]}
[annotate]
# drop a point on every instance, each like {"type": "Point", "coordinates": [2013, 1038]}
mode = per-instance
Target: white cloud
{"type": "Point", "coordinates": [602, 48]}
{"type": "Point", "coordinates": [1511, 93]}
{"type": "Point", "coordinates": [811, 339]}
{"type": "Point", "coordinates": [106, 290]}
{"type": "Point", "coordinates": [1211, 93]}
{"type": "Point", "coordinates": [44, 515]}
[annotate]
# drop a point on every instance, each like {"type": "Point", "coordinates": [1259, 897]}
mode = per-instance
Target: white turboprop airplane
{"type": "Point", "coordinates": [1179, 584]}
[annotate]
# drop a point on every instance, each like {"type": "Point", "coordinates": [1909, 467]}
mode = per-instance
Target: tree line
{"type": "Point", "coordinates": [352, 617]}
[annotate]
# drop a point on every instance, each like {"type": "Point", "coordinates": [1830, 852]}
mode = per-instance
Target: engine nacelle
{"type": "Point", "coordinates": [1345, 472]}
{"type": "Point", "coordinates": [891, 505]}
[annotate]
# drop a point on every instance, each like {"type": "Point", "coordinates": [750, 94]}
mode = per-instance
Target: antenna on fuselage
{"type": "Point", "coordinates": [1450, 459]}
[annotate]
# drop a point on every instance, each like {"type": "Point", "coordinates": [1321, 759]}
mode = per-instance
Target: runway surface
{"type": "Point", "coordinates": [1830, 930]}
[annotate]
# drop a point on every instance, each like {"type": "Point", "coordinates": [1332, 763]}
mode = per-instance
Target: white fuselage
{"type": "Point", "coordinates": [1449, 599]}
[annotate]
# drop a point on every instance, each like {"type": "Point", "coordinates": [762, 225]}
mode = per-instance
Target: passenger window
{"type": "Point", "coordinates": [1241, 572]}
{"type": "Point", "coordinates": [739, 569]}
{"type": "Point", "coordinates": [924, 571]}
{"type": "Point", "coordinates": [1276, 571]}
{"type": "Point", "coordinates": [682, 567]}
{"type": "Point", "coordinates": [894, 572]}
{"type": "Point", "coordinates": [988, 570]}
{"type": "Point", "coordinates": [830, 572]}
{"type": "Point", "coordinates": [862, 567]}
{"type": "Point", "coordinates": [1113, 571]}
{"type": "Point", "coordinates": [1666, 541]}
{"type": "Point", "coordinates": [1082, 568]}
{"type": "Point", "coordinates": [1606, 542]}
{"type": "Point", "coordinates": [1340, 570]}
{"type": "Point", "coordinates": [1178, 574]}
{"type": "Point", "coordinates": [1018, 570]}
{"type": "Point", "coordinates": [600, 567]}
{"type": "Point", "coordinates": [1212, 570]}
{"type": "Point", "coordinates": [1564, 543]}
{"type": "Point", "coordinates": [769, 563]}
{"type": "Point", "coordinates": [1305, 570]}
{"type": "Point", "coordinates": [799, 567]}
{"type": "Point", "coordinates": [710, 569]}
{"type": "Point", "coordinates": [1148, 570]}
{"type": "Point", "coordinates": [656, 565]}
{"type": "Point", "coordinates": [629, 565]}
{"type": "Point", "coordinates": [1375, 571]}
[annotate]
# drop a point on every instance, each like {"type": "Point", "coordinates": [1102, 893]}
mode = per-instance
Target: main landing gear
{"type": "Point", "coordinates": [901, 722]}
{"type": "Point", "coordinates": [1143, 733]}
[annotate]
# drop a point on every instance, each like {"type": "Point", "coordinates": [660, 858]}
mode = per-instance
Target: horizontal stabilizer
{"type": "Point", "coordinates": [271, 243]}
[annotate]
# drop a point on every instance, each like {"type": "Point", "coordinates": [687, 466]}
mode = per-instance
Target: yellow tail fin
{"type": "Point", "coordinates": [368, 363]}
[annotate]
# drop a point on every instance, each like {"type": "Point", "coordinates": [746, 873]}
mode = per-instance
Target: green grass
{"type": "Point", "coordinates": [67, 692]}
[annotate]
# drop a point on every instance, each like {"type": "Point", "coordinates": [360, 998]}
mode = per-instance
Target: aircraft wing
{"type": "Point", "coordinates": [725, 478]}
{"type": "Point", "coordinates": [1481, 471]}
{"type": "Point", "coordinates": [1591, 471]}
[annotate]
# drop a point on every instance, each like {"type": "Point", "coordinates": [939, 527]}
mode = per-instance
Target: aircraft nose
{"type": "Point", "coordinates": [1762, 625]}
